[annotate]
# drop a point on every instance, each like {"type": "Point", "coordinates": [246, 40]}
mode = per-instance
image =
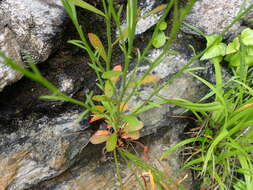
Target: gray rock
{"type": "Point", "coordinates": [97, 171]}
{"type": "Point", "coordinates": [212, 17]}
{"type": "Point", "coordinates": [40, 150]}
{"type": "Point", "coordinates": [31, 27]}
{"type": "Point", "coordinates": [146, 20]}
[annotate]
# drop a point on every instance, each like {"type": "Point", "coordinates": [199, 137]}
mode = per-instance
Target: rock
{"type": "Point", "coordinates": [40, 150]}
{"type": "Point", "coordinates": [146, 20]}
{"type": "Point", "coordinates": [212, 17]}
{"type": "Point", "coordinates": [93, 172]}
{"type": "Point", "coordinates": [184, 86]}
{"type": "Point", "coordinates": [31, 27]}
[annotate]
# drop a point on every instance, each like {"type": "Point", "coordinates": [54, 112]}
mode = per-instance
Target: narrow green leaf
{"type": "Point", "coordinates": [111, 143]}
{"type": "Point", "coordinates": [99, 98]}
{"type": "Point", "coordinates": [87, 6]}
{"type": "Point", "coordinates": [111, 74]}
{"type": "Point", "coordinates": [108, 89]}
{"type": "Point", "coordinates": [178, 145]}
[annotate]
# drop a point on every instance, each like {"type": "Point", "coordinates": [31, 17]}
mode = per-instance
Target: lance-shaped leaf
{"type": "Point", "coordinates": [100, 136]}
{"type": "Point", "coordinates": [98, 109]}
{"type": "Point", "coordinates": [133, 124]}
{"type": "Point", "coordinates": [111, 74]}
{"type": "Point", "coordinates": [123, 107]}
{"type": "Point", "coordinates": [95, 118]}
{"type": "Point", "coordinates": [131, 135]}
{"type": "Point", "coordinates": [150, 79]}
{"type": "Point", "coordinates": [98, 45]}
{"type": "Point", "coordinates": [87, 6]}
{"type": "Point", "coordinates": [116, 68]}
{"type": "Point", "coordinates": [111, 143]}
{"type": "Point", "coordinates": [108, 89]}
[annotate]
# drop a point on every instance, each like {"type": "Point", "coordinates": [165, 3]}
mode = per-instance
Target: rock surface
{"type": "Point", "coordinates": [212, 17]}
{"type": "Point", "coordinates": [99, 173]}
{"type": "Point", "coordinates": [31, 27]}
{"type": "Point", "coordinates": [40, 150]}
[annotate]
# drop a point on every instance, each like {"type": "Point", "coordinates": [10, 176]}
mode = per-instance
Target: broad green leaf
{"type": "Point", "coordinates": [98, 45]}
{"type": "Point", "coordinates": [249, 50]}
{"type": "Point", "coordinates": [108, 89]}
{"type": "Point", "coordinates": [100, 136]}
{"type": "Point", "coordinates": [111, 74]}
{"type": "Point", "coordinates": [233, 47]}
{"type": "Point", "coordinates": [87, 6]}
{"type": "Point", "coordinates": [247, 37]}
{"type": "Point", "coordinates": [111, 143]}
{"type": "Point", "coordinates": [215, 51]}
{"type": "Point", "coordinates": [213, 38]}
{"type": "Point", "coordinates": [133, 124]}
{"type": "Point", "coordinates": [162, 25]}
{"type": "Point", "coordinates": [159, 39]}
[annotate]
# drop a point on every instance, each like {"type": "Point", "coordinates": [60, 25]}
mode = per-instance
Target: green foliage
{"type": "Point", "coordinates": [122, 123]}
{"type": "Point", "coordinates": [224, 145]}
{"type": "Point", "coordinates": [160, 37]}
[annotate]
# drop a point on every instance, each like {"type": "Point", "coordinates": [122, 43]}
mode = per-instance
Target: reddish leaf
{"type": "Point", "coordinates": [150, 79]}
{"type": "Point", "coordinates": [116, 68]}
{"type": "Point", "coordinates": [123, 107]}
{"type": "Point", "coordinates": [95, 118]}
{"type": "Point", "coordinates": [132, 135]}
{"type": "Point", "coordinates": [100, 136]}
{"type": "Point", "coordinates": [97, 44]}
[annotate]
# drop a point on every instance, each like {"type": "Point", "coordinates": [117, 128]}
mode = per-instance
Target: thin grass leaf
{"type": "Point", "coordinates": [87, 6]}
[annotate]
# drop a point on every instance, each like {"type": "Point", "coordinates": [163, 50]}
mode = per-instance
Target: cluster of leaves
{"type": "Point", "coordinates": [160, 38]}
{"type": "Point", "coordinates": [222, 149]}
{"type": "Point", "coordinates": [231, 52]}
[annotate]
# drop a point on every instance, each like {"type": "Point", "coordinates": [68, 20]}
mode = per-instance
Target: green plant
{"type": "Point", "coordinates": [117, 83]}
{"type": "Point", "coordinates": [223, 146]}
{"type": "Point", "coordinates": [122, 123]}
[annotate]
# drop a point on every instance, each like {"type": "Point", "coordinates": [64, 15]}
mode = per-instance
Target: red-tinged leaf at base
{"type": "Point", "coordinates": [100, 136]}
{"type": "Point", "coordinates": [150, 79]}
{"type": "Point", "coordinates": [98, 45]}
{"type": "Point", "coordinates": [124, 107]}
{"type": "Point", "coordinates": [95, 118]}
{"type": "Point", "coordinates": [132, 135]}
{"type": "Point", "coordinates": [111, 143]}
{"type": "Point", "coordinates": [116, 68]}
